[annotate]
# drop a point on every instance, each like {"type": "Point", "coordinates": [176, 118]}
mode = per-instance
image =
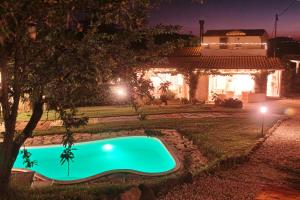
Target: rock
{"type": "Point", "coordinates": [133, 194]}
{"type": "Point", "coordinates": [147, 193]}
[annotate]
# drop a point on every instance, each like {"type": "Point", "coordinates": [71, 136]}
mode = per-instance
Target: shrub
{"type": "Point", "coordinates": [142, 117]}
{"type": "Point", "coordinates": [184, 101]}
{"type": "Point", "coordinates": [152, 133]}
{"type": "Point", "coordinates": [229, 103]}
{"type": "Point", "coordinates": [166, 96]}
{"type": "Point", "coordinates": [232, 103]}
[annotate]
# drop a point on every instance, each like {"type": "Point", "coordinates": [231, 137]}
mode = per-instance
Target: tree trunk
{"type": "Point", "coordinates": [193, 84]}
{"type": "Point", "coordinates": [8, 155]}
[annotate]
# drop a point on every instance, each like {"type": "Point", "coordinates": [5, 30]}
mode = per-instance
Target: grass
{"type": "Point", "coordinates": [215, 137]}
{"type": "Point", "coordinates": [113, 111]}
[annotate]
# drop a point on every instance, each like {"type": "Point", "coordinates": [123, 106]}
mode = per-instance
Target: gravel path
{"type": "Point", "coordinates": [273, 172]}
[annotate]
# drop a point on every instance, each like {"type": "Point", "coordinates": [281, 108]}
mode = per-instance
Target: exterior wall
{"type": "Point", "coordinates": [234, 46]}
{"type": "Point", "coordinates": [202, 88]}
{"type": "Point", "coordinates": [234, 52]}
{"type": "Point", "coordinates": [274, 84]}
{"type": "Point", "coordinates": [234, 42]}
{"type": "Point", "coordinates": [238, 45]}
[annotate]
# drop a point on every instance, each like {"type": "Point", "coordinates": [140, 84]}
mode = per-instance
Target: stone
{"type": "Point", "coordinates": [133, 194]}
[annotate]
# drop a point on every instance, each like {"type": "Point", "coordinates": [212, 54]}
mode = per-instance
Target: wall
{"type": "Point", "coordinates": [202, 88]}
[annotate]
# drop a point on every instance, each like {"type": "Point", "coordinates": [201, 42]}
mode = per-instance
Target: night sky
{"type": "Point", "coordinates": [230, 14]}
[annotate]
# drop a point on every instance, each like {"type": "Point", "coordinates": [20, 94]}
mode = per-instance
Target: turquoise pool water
{"type": "Point", "coordinates": [138, 153]}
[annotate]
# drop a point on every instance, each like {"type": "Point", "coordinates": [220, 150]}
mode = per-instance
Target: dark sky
{"type": "Point", "coordinates": [227, 14]}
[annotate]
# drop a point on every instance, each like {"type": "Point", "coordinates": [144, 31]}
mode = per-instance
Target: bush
{"type": "Point", "coordinates": [232, 103]}
{"type": "Point", "coordinates": [228, 103]}
{"type": "Point", "coordinates": [152, 133]}
{"type": "Point", "coordinates": [166, 96]}
{"type": "Point", "coordinates": [184, 101]}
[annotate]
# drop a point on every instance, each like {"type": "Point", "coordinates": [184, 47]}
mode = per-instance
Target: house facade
{"type": "Point", "coordinates": [230, 63]}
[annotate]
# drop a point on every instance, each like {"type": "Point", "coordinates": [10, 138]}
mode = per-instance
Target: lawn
{"type": "Point", "coordinates": [216, 137]}
{"type": "Point", "coordinates": [113, 111]}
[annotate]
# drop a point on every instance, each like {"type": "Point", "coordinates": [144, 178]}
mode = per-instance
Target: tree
{"type": "Point", "coordinates": [260, 79]}
{"type": "Point", "coordinates": [191, 75]}
{"type": "Point", "coordinates": [50, 50]}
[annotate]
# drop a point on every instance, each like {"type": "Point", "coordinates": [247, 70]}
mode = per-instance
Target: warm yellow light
{"type": "Point", "coordinates": [290, 111]}
{"type": "Point", "coordinates": [120, 91]}
{"type": "Point", "coordinates": [263, 109]}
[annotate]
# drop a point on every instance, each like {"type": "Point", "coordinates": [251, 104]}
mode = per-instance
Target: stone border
{"type": "Point", "coordinates": [107, 173]}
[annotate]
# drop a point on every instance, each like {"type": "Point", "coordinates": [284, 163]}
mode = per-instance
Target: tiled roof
{"type": "Point", "coordinates": [186, 52]}
{"type": "Point", "coordinates": [292, 57]}
{"type": "Point", "coordinates": [248, 32]}
{"type": "Point", "coordinates": [229, 62]}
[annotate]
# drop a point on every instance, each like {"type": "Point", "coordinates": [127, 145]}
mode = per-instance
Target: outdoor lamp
{"type": "Point", "coordinates": [263, 111]}
{"type": "Point", "coordinates": [121, 92]}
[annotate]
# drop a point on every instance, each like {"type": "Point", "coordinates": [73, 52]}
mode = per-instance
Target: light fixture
{"type": "Point", "coordinates": [263, 110]}
{"type": "Point", "coordinates": [107, 147]}
{"type": "Point", "coordinates": [120, 91]}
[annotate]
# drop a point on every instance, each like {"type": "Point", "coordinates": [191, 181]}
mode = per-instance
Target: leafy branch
{"type": "Point", "coordinates": [26, 159]}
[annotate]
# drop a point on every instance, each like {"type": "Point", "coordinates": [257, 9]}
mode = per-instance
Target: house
{"type": "Point", "coordinates": [231, 63]}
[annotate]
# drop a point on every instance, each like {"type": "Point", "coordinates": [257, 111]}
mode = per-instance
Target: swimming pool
{"type": "Point", "coordinates": [135, 154]}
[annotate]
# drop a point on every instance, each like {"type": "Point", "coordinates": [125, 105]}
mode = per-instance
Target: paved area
{"type": "Point", "coordinates": [273, 172]}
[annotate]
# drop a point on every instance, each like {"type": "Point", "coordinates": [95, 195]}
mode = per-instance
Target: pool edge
{"type": "Point", "coordinates": [107, 173]}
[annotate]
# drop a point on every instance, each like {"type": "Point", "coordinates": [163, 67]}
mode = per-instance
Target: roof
{"type": "Point", "coordinates": [187, 52]}
{"type": "Point", "coordinates": [247, 32]}
{"type": "Point", "coordinates": [229, 62]}
{"type": "Point", "coordinates": [292, 57]}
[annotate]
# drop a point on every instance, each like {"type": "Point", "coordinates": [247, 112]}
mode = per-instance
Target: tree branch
{"type": "Point", "coordinates": [34, 119]}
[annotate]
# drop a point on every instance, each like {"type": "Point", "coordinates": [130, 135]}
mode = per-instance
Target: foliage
{"type": "Point", "coordinates": [260, 79]}
{"type": "Point", "coordinates": [228, 103]}
{"type": "Point", "coordinates": [291, 80]}
{"type": "Point", "coordinates": [26, 159]}
{"type": "Point", "coordinates": [165, 97]}
{"type": "Point", "coordinates": [66, 156]}
{"type": "Point", "coordinates": [166, 94]}
{"type": "Point", "coordinates": [142, 116]}
{"type": "Point", "coordinates": [232, 103]}
{"type": "Point", "coordinates": [216, 98]}
{"type": "Point", "coordinates": [184, 101]}
{"type": "Point", "coordinates": [152, 133]}
{"type": "Point", "coordinates": [164, 87]}
{"type": "Point", "coordinates": [51, 51]}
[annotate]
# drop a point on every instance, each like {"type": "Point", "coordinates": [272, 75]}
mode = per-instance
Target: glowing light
{"type": "Point", "coordinates": [121, 92]}
{"type": "Point", "coordinates": [107, 147]}
{"type": "Point", "coordinates": [290, 111]}
{"type": "Point", "coordinates": [263, 109]}
{"type": "Point", "coordinates": [243, 83]}
{"type": "Point", "coordinates": [233, 43]}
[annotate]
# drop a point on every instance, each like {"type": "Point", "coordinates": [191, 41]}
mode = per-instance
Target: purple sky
{"type": "Point", "coordinates": [227, 14]}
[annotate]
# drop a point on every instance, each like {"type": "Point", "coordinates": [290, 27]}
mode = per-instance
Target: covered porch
{"type": "Point", "coordinates": [248, 78]}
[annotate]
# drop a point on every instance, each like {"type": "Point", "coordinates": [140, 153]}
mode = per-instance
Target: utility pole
{"type": "Point", "coordinates": [276, 22]}
{"type": "Point", "coordinates": [276, 25]}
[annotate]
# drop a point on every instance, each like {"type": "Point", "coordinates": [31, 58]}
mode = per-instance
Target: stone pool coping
{"type": "Point", "coordinates": [170, 149]}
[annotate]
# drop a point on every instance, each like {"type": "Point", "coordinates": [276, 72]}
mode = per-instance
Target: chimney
{"type": "Point", "coordinates": [201, 23]}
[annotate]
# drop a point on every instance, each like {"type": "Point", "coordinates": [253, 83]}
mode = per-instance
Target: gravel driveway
{"type": "Point", "coordinates": [273, 172]}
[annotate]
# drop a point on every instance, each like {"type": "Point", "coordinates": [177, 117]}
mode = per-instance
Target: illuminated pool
{"type": "Point", "coordinates": [136, 154]}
